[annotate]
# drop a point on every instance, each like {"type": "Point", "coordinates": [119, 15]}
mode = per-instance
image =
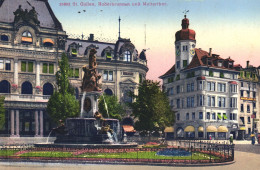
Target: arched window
{"type": "Point", "coordinates": [26, 88]}
{"type": "Point", "coordinates": [108, 92]}
{"type": "Point", "coordinates": [127, 98]}
{"type": "Point", "coordinates": [26, 37]}
{"type": "Point", "coordinates": [4, 87]}
{"type": "Point", "coordinates": [127, 56]}
{"type": "Point", "coordinates": [47, 89]}
{"type": "Point", "coordinates": [4, 38]}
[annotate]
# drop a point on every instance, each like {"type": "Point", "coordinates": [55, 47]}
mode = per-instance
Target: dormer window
{"type": "Point", "coordinates": [230, 64]}
{"type": "Point", "coordinates": [4, 38]}
{"type": "Point", "coordinates": [220, 64]}
{"type": "Point", "coordinates": [26, 38]}
{"type": "Point", "coordinates": [74, 52]}
{"type": "Point", "coordinates": [127, 56]}
{"type": "Point", "coordinates": [108, 56]}
{"type": "Point", "coordinates": [209, 62]}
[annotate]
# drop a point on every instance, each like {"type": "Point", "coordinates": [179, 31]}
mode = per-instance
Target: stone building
{"type": "Point", "coordinates": [202, 89]}
{"type": "Point", "coordinates": [248, 101]}
{"type": "Point", "coordinates": [31, 42]}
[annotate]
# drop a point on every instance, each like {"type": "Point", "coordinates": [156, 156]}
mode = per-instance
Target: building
{"type": "Point", "coordinates": [203, 90]}
{"type": "Point", "coordinates": [248, 101]}
{"type": "Point", "coordinates": [31, 42]}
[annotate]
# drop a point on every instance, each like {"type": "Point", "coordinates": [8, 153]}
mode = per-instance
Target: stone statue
{"type": "Point", "coordinates": [18, 13]}
{"type": "Point", "coordinates": [24, 15]}
{"type": "Point", "coordinates": [91, 77]}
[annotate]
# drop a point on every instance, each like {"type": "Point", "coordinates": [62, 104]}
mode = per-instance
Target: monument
{"type": "Point", "coordinates": [90, 127]}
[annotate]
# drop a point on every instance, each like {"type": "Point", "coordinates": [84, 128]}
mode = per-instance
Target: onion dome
{"type": "Point", "coordinates": [185, 33]}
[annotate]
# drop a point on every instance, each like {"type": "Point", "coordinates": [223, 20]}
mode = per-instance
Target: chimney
{"type": "Point", "coordinates": [247, 64]}
{"type": "Point", "coordinates": [91, 37]}
{"type": "Point", "coordinates": [210, 51]}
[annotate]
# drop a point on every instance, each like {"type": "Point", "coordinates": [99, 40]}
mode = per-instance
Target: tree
{"type": "Point", "coordinates": [114, 109]}
{"type": "Point", "coordinates": [2, 112]}
{"type": "Point", "coordinates": [151, 108]}
{"type": "Point", "coordinates": [63, 103]}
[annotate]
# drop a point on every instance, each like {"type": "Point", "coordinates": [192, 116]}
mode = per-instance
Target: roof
{"type": "Point", "coordinates": [45, 14]}
{"type": "Point", "coordinates": [185, 33]}
{"type": "Point", "coordinates": [172, 70]}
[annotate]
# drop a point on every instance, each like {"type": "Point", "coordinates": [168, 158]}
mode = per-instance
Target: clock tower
{"type": "Point", "coordinates": [185, 43]}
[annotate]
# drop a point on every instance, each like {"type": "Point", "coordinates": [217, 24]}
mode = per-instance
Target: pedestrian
{"type": "Point", "coordinates": [253, 139]}
{"type": "Point", "coordinates": [210, 137]}
{"type": "Point", "coordinates": [231, 139]}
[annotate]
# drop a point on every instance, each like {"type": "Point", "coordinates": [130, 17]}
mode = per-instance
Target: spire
{"type": "Point", "coordinates": [119, 20]}
{"type": "Point", "coordinates": [185, 21]}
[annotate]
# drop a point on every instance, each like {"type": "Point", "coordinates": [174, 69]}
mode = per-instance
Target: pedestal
{"type": "Point", "coordinates": [93, 107]}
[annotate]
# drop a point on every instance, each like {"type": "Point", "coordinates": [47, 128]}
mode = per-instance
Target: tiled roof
{"type": "Point", "coordinates": [45, 14]}
{"type": "Point", "coordinates": [172, 70]}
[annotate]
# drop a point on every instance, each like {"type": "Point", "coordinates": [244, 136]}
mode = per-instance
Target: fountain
{"type": "Point", "coordinates": [90, 128]}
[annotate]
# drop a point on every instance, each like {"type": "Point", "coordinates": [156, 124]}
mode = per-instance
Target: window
{"type": "Point", "coordinates": [230, 116]}
{"type": "Point", "coordinates": [108, 56]}
{"type": "Point", "coordinates": [4, 38]}
{"type": "Point", "coordinates": [209, 63]}
{"type": "Point", "coordinates": [209, 100]}
{"type": "Point", "coordinates": [170, 80]}
{"type": "Point", "coordinates": [224, 116]}
{"type": "Point", "coordinates": [254, 94]}
{"type": "Point", "coordinates": [221, 87]}
{"type": "Point", "coordinates": [193, 116]}
{"type": "Point", "coordinates": [26, 38]}
{"type": "Point", "coordinates": [178, 64]}
{"type": "Point", "coordinates": [178, 77]}
{"type": "Point", "coordinates": [219, 116]}
{"type": "Point", "coordinates": [178, 89]}
{"type": "Point", "coordinates": [200, 100]}
{"type": "Point", "coordinates": [221, 75]}
{"type": "Point", "coordinates": [182, 103]}
{"type": "Point", "coordinates": [108, 75]}
{"type": "Point", "coordinates": [210, 72]}
{"type": "Point", "coordinates": [242, 107]}
{"type": "Point", "coordinates": [178, 116]}
{"type": "Point", "coordinates": [188, 102]}
{"type": "Point", "coordinates": [48, 68]}
{"type": "Point", "coordinates": [26, 66]}
{"type": "Point", "coordinates": [248, 120]}
{"type": "Point", "coordinates": [184, 64]}
{"type": "Point", "coordinates": [221, 102]}
{"type": "Point", "coordinates": [127, 56]}
{"type": "Point", "coordinates": [211, 86]}
{"type": "Point", "coordinates": [192, 101]}
{"type": "Point", "coordinates": [208, 115]}
{"type": "Point", "coordinates": [170, 90]}
{"type": "Point", "coordinates": [219, 64]}
{"type": "Point", "coordinates": [233, 88]}
{"type": "Point", "coordinates": [200, 115]}
{"type": "Point", "coordinates": [192, 87]}
{"type": "Point", "coordinates": [248, 93]}
{"type": "Point", "coordinates": [241, 93]}
{"type": "Point", "coordinates": [214, 116]}
{"type": "Point", "coordinates": [242, 84]}
{"type": "Point", "coordinates": [248, 108]}
{"type": "Point", "coordinates": [188, 87]}
{"type": "Point", "coordinates": [200, 85]}
{"type": "Point", "coordinates": [187, 116]}
{"type": "Point", "coordinates": [213, 101]}
{"type": "Point", "coordinates": [234, 116]}
{"type": "Point", "coordinates": [171, 103]}
{"type": "Point", "coordinates": [185, 48]}
{"type": "Point", "coordinates": [5, 64]}
{"type": "Point", "coordinates": [233, 102]}
{"type": "Point", "coordinates": [74, 72]}
{"type": "Point", "coordinates": [178, 103]}
{"type": "Point", "coordinates": [254, 105]}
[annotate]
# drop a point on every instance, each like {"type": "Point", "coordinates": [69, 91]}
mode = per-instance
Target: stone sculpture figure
{"type": "Point", "coordinates": [24, 15]}
{"type": "Point", "coordinates": [91, 77]}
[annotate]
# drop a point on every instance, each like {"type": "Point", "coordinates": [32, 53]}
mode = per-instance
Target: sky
{"type": "Point", "coordinates": [229, 27]}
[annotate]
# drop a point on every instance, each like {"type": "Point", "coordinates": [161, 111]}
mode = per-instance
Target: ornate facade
{"type": "Point", "coordinates": [31, 43]}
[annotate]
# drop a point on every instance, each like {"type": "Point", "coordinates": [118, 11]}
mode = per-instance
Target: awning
{"type": "Point", "coordinates": [242, 128]}
{"type": "Point", "coordinates": [233, 82]}
{"type": "Point", "coordinates": [200, 129]}
{"type": "Point", "coordinates": [224, 116]}
{"type": "Point", "coordinates": [201, 78]}
{"type": "Point", "coordinates": [222, 129]}
{"type": "Point", "coordinates": [219, 116]}
{"type": "Point", "coordinates": [211, 129]}
{"type": "Point", "coordinates": [168, 129]}
{"type": "Point", "coordinates": [27, 39]}
{"type": "Point", "coordinates": [189, 129]}
{"type": "Point", "coordinates": [48, 40]}
{"type": "Point", "coordinates": [128, 128]}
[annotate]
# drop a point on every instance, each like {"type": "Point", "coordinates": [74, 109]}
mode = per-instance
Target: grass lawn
{"type": "Point", "coordinates": [47, 154]}
{"type": "Point", "coordinates": [145, 155]}
{"type": "Point", "coordinates": [7, 152]}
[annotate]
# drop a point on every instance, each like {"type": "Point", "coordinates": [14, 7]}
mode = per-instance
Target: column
{"type": "Point", "coordinates": [16, 71]}
{"type": "Point", "coordinates": [41, 123]}
{"type": "Point", "coordinates": [12, 123]}
{"type": "Point", "coordinates": [38, 83]}
{"type": "Point", "coordinates": [36, 123]}
{"type": "Point", "coordinates": [17, 123]}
